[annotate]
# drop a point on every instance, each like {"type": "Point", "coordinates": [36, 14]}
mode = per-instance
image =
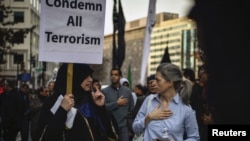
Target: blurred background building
{"type": "Point", "coordinates": [20, 60]}
{"type": "Point", "coordinates": [19, 55]}
{"type": "Point", "coordinates": [170, 31]}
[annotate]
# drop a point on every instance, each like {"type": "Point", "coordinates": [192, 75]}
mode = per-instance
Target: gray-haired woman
{"type": "Point", "coordinates": [169, 114]}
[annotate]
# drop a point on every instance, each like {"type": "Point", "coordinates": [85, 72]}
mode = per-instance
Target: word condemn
{"type": "Point", "coordinates": [74, 5]}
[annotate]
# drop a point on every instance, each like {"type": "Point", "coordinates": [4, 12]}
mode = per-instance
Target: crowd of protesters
{"type": "Point", "coordinates": [215, 107]}
{"type": "Point", "coordinates": [19, 109]}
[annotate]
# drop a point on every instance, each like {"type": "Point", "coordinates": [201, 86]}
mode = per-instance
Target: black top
{"type": "Point", "coordinates": [101, 122]}
{"type": "Point", "coordinates": [56, 130]}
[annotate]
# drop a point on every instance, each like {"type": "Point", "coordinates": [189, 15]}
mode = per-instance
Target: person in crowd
{"type": "Point", "coordinates": [12, 111]}
{"type": "Point", "coordinates": [150, 89]}
{"type": "Point", "coordinates": [196, 88]}
{"type": "Point", "coordinates": [119, 101]}
{"type": "Point", "coordinates": [51, 87]}
{"type": "Point", "coordinates": [1, 85]}
{"type": "Point", "coordinates": [25, 94]}
{"type": "Point", "coordinates": [125, 82]}
{"type": "Point", "coordinates": [139, 90]}
{"type": "Point", "coordinates": [77, 115]}
{"type": "Point", "coordinates": [1, 101]}
{"type": "Point", "coordinates": [189, 74]}
{"type": "Point", "coordinates": [169, 114]}
{"type": "Point", "coordinates": [36, 104]}
{"type": "Point", "coordinates": [137, 93]}
{"type": "Point", "coordinates": [199, 102]}
{"type": "Point", "coordinates": [151, 85]}
{"type": "Point", "coordinates": [96, 84]}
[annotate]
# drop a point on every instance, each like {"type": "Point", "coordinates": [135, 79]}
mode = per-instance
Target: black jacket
{"type": "Point", "coordinates": [101, 122]}
{"type": "Point", "coordinates": [131, 115]}
{"type": "Point", "coordinates": [55, 129]}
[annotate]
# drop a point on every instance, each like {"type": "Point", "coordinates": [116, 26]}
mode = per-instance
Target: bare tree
{"type": "Point", "coordinates": [9, 35]}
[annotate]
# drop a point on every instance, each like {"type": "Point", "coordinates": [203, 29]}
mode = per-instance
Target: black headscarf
{"type": "Point", "coordinates": [80, 72]}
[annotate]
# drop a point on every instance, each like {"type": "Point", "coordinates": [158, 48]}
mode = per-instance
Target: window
{"type": "Point", "coordinates": [18, 17]}
{"type": "Point", "coordinates": [18, 37]}
{"type": "Point", "coordinates": [18, 58]}
{"type": "Point", "coordinates": [1, 16]}
{"type": "Point", "coordinates": [1, 57]}
{"type": "Point", "coordinates": [1, 40]}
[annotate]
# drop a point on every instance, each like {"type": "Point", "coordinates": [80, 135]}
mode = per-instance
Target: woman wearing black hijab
{"type": "Point", "coordinates": [78, 116]}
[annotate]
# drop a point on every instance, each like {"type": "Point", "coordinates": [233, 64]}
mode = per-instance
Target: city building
{"type": "Point", "coordinates": [21, 60]}
{"type": "Point", "coordinates": [178, 34]}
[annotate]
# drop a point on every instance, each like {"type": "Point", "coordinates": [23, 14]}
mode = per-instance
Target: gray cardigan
{"type": "Point", "coordinates": [120, 112]}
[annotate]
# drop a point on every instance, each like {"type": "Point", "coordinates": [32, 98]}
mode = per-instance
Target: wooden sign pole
{"type": "Point", "coordinates": [69, 78]}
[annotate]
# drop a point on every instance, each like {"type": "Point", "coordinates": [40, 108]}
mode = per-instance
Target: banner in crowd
{"type": "Point", "coordinates": [146, 49]}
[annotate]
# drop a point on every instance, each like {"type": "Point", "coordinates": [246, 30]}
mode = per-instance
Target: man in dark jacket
{"type": "Point", "coordinates": [11, 111]}
{"type": "Point", "coordinates": [24, 91]}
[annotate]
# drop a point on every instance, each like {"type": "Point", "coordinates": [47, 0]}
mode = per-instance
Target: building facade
{"type": "Point", "coordinates": [134, 38]}
{"type": "Point", "coordinates": [178, 34]}
{"type": "Point", "coordinates": [19, 57]}
{"type": "Point", "coordinates": [22, 58]}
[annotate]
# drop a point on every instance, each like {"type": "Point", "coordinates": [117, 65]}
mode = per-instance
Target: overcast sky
{"type": "Point", "coordinates": [135, 9]}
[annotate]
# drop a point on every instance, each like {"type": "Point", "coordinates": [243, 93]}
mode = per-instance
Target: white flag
{"type": "Point", "coordinates": [150, 24]}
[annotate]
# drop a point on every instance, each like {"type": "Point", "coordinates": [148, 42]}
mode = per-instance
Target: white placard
{"type": "Point", "coordinates": [72, 31]}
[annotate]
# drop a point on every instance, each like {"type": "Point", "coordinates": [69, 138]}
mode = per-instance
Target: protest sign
{"type": "Point", "coordinates": [72, 31]}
